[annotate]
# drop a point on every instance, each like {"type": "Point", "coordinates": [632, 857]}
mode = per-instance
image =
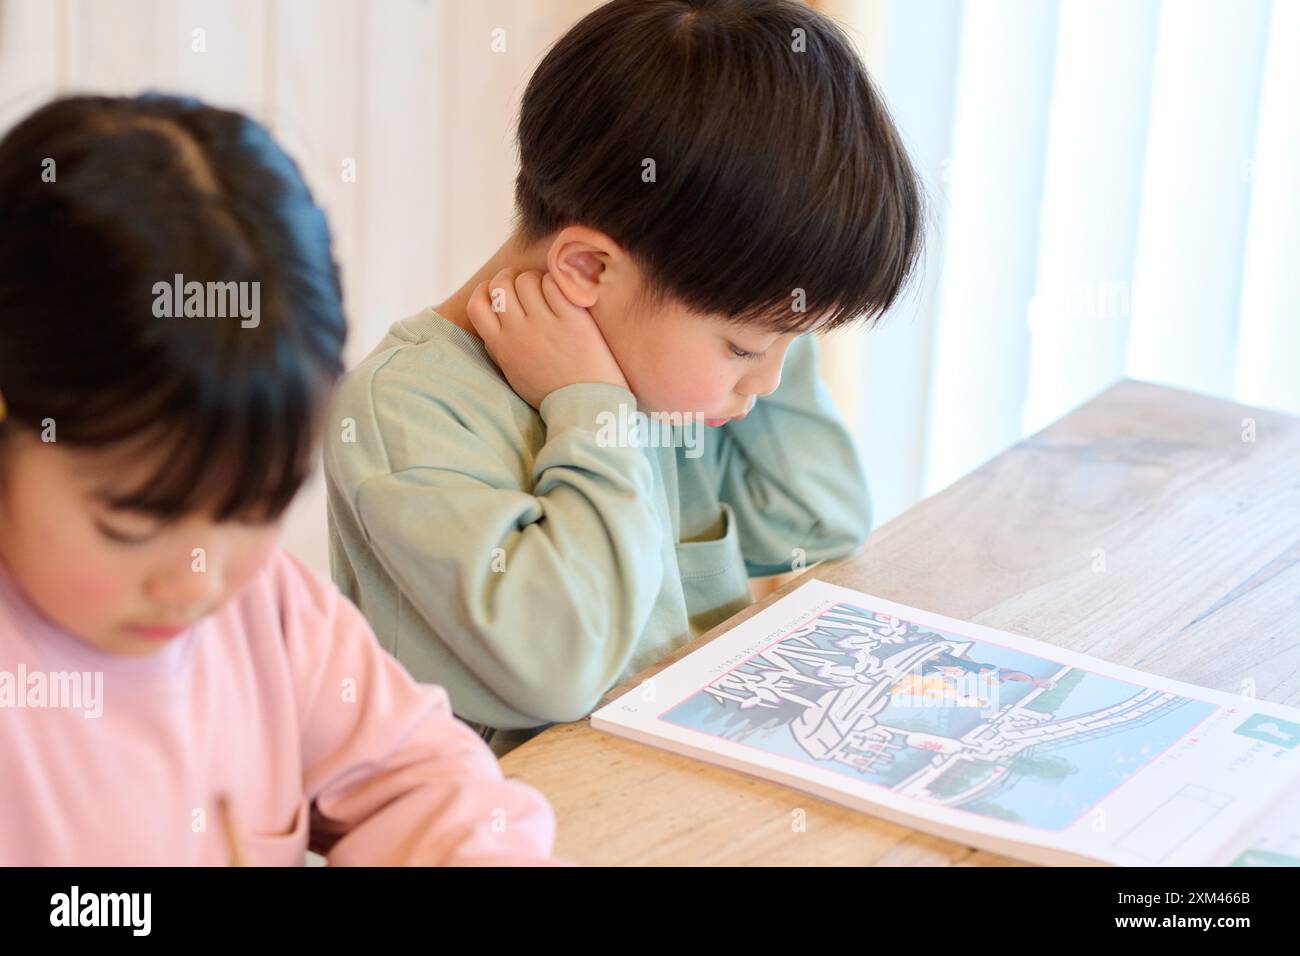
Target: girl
{"type": "Point", "coordinates": [174, 688]}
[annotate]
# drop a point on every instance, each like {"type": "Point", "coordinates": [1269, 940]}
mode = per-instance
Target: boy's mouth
{"type": "Point", "coordinates": [715, 422]}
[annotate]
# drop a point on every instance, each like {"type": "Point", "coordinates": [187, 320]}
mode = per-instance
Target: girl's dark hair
{"type": "Point", "coordinates": [101, 198]}
{"type": "Point", "coordinates": [777, 166]}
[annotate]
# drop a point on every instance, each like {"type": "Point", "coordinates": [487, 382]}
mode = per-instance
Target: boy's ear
{"type": "Point", "coordinates": [580, 261]}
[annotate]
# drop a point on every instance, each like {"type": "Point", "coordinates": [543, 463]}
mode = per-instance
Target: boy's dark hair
{"type": "Point", "coordinates": [100, 199]}
{"type": "Point", "coordinates": [775, 169]}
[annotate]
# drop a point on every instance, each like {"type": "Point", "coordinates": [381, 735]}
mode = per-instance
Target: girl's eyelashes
{"type": "Point", "coordinates": [122, 537]}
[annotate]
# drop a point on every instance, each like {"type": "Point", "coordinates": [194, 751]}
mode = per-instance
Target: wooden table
{"type": "Point", "coordinates": [1146, 528]}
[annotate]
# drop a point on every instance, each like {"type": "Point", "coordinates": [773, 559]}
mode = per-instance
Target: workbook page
{"type": "Point", "coordinates": [976, 734]}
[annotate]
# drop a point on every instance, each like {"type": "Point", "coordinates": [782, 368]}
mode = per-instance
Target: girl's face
{"type": "Point", "coordinates": [122, 581]}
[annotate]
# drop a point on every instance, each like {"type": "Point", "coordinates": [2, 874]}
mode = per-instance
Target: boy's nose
{"type": "Point", "coordinates": [766, 378]}
{"type": "Point", "coordinates": [764, 383]}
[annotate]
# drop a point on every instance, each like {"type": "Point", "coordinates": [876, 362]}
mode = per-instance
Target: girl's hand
{"type": "Point", "coordinates": [539, 339]}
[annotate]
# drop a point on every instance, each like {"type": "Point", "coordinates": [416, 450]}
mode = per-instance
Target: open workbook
{"type": "Point", "coordinates": [981, 736]}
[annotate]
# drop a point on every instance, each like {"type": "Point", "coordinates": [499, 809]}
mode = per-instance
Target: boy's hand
{"type": "Point", "coordinates": [539, 339]}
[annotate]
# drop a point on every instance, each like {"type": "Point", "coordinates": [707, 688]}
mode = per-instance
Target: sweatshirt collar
{"type": "Point", "coordinates": [427, 325]}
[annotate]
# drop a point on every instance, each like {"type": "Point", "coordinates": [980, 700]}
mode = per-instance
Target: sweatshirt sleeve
{"type": "Point", "coordinates": [539, 583]}
{"type": "Point", "coordinates": [392, 778]}
{"type": "Point", "coordinates": [791, 473]}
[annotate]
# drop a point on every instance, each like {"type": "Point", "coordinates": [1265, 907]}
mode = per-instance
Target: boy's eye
{"type": "Point", "coordinates": [741, 353]}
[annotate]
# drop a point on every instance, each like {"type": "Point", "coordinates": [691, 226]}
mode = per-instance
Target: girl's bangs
{"type": "Point", "coordinates": [239, 449]}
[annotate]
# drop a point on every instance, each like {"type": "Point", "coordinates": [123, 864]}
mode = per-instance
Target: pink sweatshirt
{"type": "Point", "coordinates": [283, 701]}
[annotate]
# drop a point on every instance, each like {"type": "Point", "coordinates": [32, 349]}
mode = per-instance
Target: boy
{"type": "Point", "coordinates": [702, 183]}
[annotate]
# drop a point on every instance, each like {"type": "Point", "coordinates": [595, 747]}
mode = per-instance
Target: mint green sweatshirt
{"type": "Point", "coordinates": [527, 563]}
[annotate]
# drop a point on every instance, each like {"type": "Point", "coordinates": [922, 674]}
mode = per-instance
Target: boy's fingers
{"type": "Point", "coordinates": [528, 286]}
{"type": "Point", "coordinates": [479, 311]}
{"type": "Point", "coordinates": [559, 303]}
{"type": "Point", "coordinates": [501, 294]}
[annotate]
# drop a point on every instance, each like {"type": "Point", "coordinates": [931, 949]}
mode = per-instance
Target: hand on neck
{"type": "Point", "coordinates": [513, 253]}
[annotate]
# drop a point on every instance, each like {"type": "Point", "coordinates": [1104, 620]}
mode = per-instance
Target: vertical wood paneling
{"type": "Point", "coordinates": [231, 69]}
{"type": "Point", "coordinates": [316, 107]}
{"type": "Point", "coordinates": [29, 64]}
{"type": "Point", "coordinates": [119, 48]}
{"type": "Point", "coordinates": [404, 227]}
{"type": "Point", "coordinates": [480, 116]}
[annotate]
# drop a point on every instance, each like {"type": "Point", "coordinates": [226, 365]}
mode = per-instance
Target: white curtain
{"type": "Point", "coordinates": [1115, 192]}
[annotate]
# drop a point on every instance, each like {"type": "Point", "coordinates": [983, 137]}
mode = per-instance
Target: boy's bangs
{"type": "Point", "coordinates": [820, 275]}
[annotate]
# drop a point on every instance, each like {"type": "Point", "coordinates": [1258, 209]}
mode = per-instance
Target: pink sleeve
{"type": "Point", "coordinates": [392, 777]}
